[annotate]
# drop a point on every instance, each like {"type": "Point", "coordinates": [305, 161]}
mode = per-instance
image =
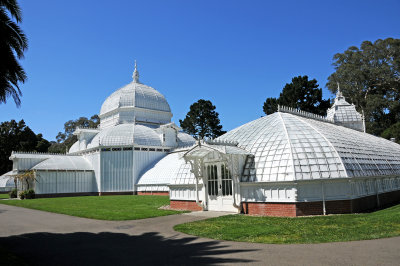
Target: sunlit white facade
{"type": "Point", "coordinates": [289, 163]}
{"type": "Point", "coordinates": [135, 132]}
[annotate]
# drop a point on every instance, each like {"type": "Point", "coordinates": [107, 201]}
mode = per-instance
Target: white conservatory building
{"type": "Point", "coordinates": [135, 131]}
{"type": "Point", "coordinates": [290, 163]}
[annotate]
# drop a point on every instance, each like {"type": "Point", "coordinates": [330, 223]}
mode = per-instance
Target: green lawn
{"type": "Point", "coordinates": [4, 196]}
{"type": "Point", "coordinates": [102, 208]}
{"type": "Point", "coordinates": [317, 229]}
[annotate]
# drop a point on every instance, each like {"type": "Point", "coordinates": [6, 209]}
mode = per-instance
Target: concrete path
{"type": "Point", "coordinates": [43, 238]}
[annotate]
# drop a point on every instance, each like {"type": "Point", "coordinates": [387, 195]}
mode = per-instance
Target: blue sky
{"type": "Point", "coordinates": [234, 53]}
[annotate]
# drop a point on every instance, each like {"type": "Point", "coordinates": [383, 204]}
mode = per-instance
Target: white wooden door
{"type": "Point", "coordinates": [219, 188]}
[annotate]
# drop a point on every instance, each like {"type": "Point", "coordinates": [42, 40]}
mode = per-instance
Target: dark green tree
{"type": "Point", "coordinates": [270, 106]}
{"type": "Point", "coordinates": [392, 132]}
{"type": "Point", "coordinates": [56, 147]}
{"type": "Point", "coordinates": [369, 77]}
{"type": "Point", "coordinates": [42, 145]}
{"type": "Point", "coordinates": [13, 43]}
{"type": "Point", "coordinates": [66, 139]}
{"type": "Point", "coordinates": [202, 121]}
{"type": "Point", "coordinates": [302, 94]}
{"type": "Point", "coordinates": [17, 136]}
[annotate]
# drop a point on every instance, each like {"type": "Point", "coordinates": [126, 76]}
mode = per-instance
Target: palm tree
{"type": "Point", "coordinates": [13, 43]}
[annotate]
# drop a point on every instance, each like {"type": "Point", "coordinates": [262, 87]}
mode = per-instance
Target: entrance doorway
{"type": "Point", "coordinates": [219, 187]}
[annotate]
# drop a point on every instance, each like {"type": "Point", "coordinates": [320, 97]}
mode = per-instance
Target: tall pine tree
{"type": "Point", "coordinates": [202, 121]}
{"type": "Point", "coordinates": [301, 94]}
{"type": "Point", "coordinates": [369, 77]}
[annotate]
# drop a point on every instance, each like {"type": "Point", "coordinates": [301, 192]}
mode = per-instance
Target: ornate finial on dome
{"type": "Point", "coordinates": [135, 75]}
{"type": "Point", "coordinates": [338, 93]}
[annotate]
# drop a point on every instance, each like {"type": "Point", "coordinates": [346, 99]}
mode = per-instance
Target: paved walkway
{"type": "Point", "coordinates": [55, 239]}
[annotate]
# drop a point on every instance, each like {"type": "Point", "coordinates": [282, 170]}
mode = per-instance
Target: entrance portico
{"type": "Point", "coordinates": [217, 165]}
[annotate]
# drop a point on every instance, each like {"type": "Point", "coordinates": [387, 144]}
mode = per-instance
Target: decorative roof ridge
{"type": "Point", "coordinates": [221, 142]}
{"type": "Point", "coordinates": [91, 128]}
{"type": "Point", "coordinates": [37, 153]}
{"type": "Point", "coordinates": [298, 112]}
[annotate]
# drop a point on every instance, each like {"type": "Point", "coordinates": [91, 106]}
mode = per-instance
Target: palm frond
{"type": "Point", "coordinates": [13, 44]}
{"type": "Point", "coordinates": [12, 7]}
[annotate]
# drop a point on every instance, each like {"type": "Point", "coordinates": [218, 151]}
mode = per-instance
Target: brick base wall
{"type": "Point", "coordinates": [364, 204]}
{"type": "Point", "coordinates": [185, 205]}
{"type": "Point", "coordinates": [389, 198]}
{"type": "Point", "coordinates": [316, 208]}
{"type": "Point", "coordinates": [269, 209]}
{"type": "Point", "coordinates": [156, 193]}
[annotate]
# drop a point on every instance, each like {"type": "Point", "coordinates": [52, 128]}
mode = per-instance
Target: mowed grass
{"type": "Point", "coordinates": [4, 196]}
{"type": "Point", "coordinates": [102, 208]}
{"type": "Point", "coordinates": [317, 229]}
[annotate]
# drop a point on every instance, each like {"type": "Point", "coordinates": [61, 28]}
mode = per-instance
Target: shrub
{"type": "Point", "coordinates": [22, 194]}
{"type": "Point", "coordinates": [13, 193]}
{"type": "Point", "coordinates": [30, 194]}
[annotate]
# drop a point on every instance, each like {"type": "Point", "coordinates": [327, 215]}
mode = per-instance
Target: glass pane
{"type": "Point", "coordinates": [215, 180]}
{"type": "Point", "coordinates": [212, 180]}
{"type": "Point", "coordinates": [209, 182]}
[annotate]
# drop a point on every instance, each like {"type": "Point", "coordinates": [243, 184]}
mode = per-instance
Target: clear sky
{"type": "Point", "coordinates": [234, 53]}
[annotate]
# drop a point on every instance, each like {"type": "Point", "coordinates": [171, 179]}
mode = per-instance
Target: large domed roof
{"type": "Point", "coordinates": [289, 147]}
{"type": "Point", "coordinates": [135, 94]}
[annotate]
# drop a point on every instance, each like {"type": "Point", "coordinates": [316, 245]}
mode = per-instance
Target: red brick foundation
{"type": "Point", "coordinates": [269, 209]}
{"type": "Point", "coordinates": [316, 208]}
{"type": "Point", "coordinates": [185, 205]}
{"type": "Point", "coordinates": [155, 193]}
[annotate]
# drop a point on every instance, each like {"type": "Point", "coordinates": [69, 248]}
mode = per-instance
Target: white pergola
{"type": "Point", "coordinates": [219, 165]}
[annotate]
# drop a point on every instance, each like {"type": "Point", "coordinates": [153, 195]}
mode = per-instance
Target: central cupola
{"type": "Point", "coordinates": [135, 103]}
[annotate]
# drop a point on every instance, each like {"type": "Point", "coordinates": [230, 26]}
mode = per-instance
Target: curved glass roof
{"type": "Point", "coordinates": [74, 147]}
{"type": "Point", "coordinates": [185, 139]}
{"type": "Point", "coordinates": [126, 134]}
{"type": "Point", "coordinates": [289, 147]}
{"type": "Point", "coordinates": [7, 179]}
{"type": "Point", "coordinates": [64, 163]}
{"type": "Point", "coordinates": [135, 95]}
{"type": "Point", "coordinates": [129, 135]}
{"type": "Point", "coordinates": [170, 167]}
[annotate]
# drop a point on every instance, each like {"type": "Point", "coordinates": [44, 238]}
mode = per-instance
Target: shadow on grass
{"type": "Point", "coordinates": [117, 249]}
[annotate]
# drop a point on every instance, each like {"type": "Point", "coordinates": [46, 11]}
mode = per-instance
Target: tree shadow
{"type": "Point", "coordinates": [117, 249]}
